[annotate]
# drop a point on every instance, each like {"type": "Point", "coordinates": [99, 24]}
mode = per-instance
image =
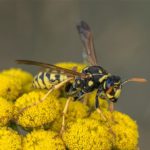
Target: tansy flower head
{"type": "Point", "coordinates": [10, 87]}
{"type": "Point", "coordinates": [123, 127]}
{"type": "Point", "coordinates": [76, 110]}
{"type": "Point", "coordinates": [125, 138]}
{"type": "Point", "coordinates": [27, 88]}
{"type": "Point", "coordinates": [71, 65]}
{"type": "Point", "coordinates": [35, 116]}
{"type": "Point", "coordinates": [9, 139]}
{"type": "Point", "coordinates": [87, 134]}
{"type": "Point", "coordinates": [126, 132]}
{"type": "Point", "coordinates": [24, 77]}
{"type": "Point", "coordinates": [6, 109]}
{"type": "Point", "coordinates": [43, 140]}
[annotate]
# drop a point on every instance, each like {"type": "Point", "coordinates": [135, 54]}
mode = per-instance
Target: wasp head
{"type": "Point", "coordinates": [113, 88]}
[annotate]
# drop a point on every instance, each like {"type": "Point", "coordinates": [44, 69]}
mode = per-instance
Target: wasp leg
{"type": "Point", "coordinates": [64, 113]}
{"type": "Point", "coordinates": [111, 106]}
{"type": "Point", "coordinates": [86, 99]}
{"type": "Point", "coordinates": [79, 95]}
{"type": "Point", "coordinates": [97, 104]}
{"type": "Point", "coordinates": [55, 87]}
{"type": "Point", "coordinates": [101, 113]}
{"type": "Point", "coordinates": [98, 108]}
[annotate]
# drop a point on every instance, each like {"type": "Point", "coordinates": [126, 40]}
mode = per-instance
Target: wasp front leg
{"type": "Point", "coordinates": [97, 106]}
{"type": "Point", "coordinates": [111, 106]}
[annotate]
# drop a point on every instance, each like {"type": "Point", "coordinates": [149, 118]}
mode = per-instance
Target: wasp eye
{"type": "Point", "coordinates": [109, 82]}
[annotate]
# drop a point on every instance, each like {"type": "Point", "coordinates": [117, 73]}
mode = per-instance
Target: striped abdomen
{"type": "Point", "coordinates": [45, 80]}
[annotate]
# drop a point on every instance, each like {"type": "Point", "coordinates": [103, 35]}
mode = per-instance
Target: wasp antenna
{"type": "Point", "coordinates": [139, 80]}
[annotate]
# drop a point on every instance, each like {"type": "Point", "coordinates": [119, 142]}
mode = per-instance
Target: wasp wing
{"type": "Point", "coordinates": [52, 68]}
{"type": "Point", "coordinates": [88, 42]}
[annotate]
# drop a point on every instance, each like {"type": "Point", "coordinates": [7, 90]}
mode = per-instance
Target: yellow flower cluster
{"type": "Point", "coordinates": [9, 139]}
{"type": "Point", "coordinates": [85, 128]}
{"type": "Point", "coordinates": [24, 77]}
{"type": "Point", "coordinates": [87, 134]}
{"type": "Point", "coordinates": [43, 140]}
{"type": "Point", "coordinates": [21, 75]}
{"type": "Point", "coordinates": [126, 132]}
{"type": "Point", "coordinates": [35, 116]}
{"type": "Point", "coordinates": [10, 87]}
{"type": "Point", "coordinates": [6, 110]}
{"type": "Point", "coordinates": [14, 82]}
{"type": "Point", "coordinates": [123, 127]}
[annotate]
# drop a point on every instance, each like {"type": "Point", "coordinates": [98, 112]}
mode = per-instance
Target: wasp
{"type": "Point", "coordinates": [93, 77]}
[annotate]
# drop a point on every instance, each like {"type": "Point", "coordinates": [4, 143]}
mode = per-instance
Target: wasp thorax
{"type": "Point", "coordinates": [79, 83]}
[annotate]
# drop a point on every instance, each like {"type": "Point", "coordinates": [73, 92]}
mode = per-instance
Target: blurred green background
{"type": "Point", "coordinates": [44, 30]}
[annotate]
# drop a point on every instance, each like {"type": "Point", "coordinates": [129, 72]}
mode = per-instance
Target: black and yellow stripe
{"type": "Point", "coordinates": [45, 80]}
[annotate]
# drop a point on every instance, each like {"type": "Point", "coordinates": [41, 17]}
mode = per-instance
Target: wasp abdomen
{"type": "Point", "coordinates": [45, 80]}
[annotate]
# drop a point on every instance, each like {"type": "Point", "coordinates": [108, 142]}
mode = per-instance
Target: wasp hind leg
{"type": "Point", "coordinates": [77, 97]}
{"type": "Point", "coordinates": [64, 113]}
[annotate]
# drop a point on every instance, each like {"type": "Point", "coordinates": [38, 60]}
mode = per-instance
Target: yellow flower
{"type": "Point", "coordinates": [126, 138]}
{"type": "Point", "coordinates": [87, 134]}
{"type": "Point", "coordinates": [10, 87]}
{"type": "Point", "coordinates": [126, 132]}
{"type": "Point", "coordinates": [9, 139]}
{"type": "Point", "coordinates": [35, 116]}
{"type": "Point", "coordinates": [43, 140]}
{"type": "Point", "coordinates": [24, 77]}
{"type": "Point", "coordinates": [27, 88]}
{"type": "Point", "coordinates": [75, 110]}
{"type": "Point", "coordinates": [123, 127]}
{"type": "Point", "coordinates": [71, 65]}
{"type": "Point", "coordinates": [6, 109]}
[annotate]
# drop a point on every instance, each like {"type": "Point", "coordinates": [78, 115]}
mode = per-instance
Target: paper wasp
{"type": "Point", "coordinates": [93, 77]}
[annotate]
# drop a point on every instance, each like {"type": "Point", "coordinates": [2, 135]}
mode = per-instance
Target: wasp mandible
{"type": "Point", "coordinates": [93, 77]}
